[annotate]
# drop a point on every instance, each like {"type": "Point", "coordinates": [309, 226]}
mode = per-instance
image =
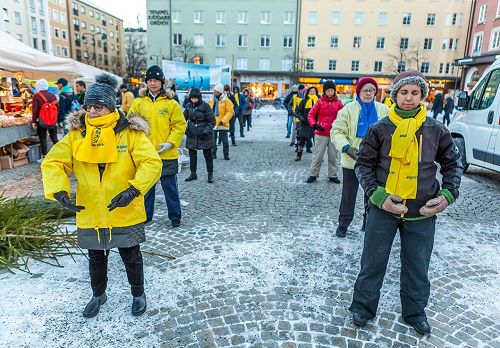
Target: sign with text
{"type": "Point", "coordinates": [158, 17]}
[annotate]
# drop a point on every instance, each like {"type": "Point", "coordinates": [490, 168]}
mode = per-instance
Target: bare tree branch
{"type": "Point", "coordinates": [135, 56]}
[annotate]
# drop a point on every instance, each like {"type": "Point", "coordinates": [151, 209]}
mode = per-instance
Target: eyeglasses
{"type": "Point", "coordinates": [97, 108]}
{"type": "Point", "coordinates": [368, 90]}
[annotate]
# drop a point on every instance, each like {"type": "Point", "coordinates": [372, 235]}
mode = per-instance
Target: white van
{"type": "Point", "coordinates": [476, 124]}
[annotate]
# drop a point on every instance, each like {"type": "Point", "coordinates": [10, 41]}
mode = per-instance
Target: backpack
{"type": "Point", "coordinates": [48, 112]}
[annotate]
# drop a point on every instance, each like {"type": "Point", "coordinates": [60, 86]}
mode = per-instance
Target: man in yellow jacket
{"type": "Point", "coordinates": [115, 165]}
{"type": "Point", "coordinates": [223, 110]}
{"type": "Point", "coordinates": [127, 98]}
{"type": "Point", "coordinates": [168, 125]}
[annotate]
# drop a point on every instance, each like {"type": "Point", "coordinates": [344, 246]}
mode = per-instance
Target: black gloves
{"type": "Point", "coordinates": [318, 127]}
{"type": "Point", "coordinates": [63, 198]}
{"type": "Point", "coordinates": [124, 198]}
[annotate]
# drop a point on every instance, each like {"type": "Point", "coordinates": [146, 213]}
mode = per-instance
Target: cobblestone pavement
{"type": "Point", "coordinates": [257, 264]}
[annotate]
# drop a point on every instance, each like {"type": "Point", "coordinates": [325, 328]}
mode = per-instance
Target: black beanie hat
{"type": "Point", "coordinates": [329, 84]}
{"type": "Point", "coordinates": [155, 72]}
{"type": "Point", "coordinates": [195, 93]}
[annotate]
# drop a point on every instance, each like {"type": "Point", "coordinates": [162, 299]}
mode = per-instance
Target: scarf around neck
{"type": "Point", "coordinates": [403, 173]}
{"type": "Point", "coordinates": [311, 100]}
{"type": "Point", "coordinates": [367, 117]}
{"type": "Point", "coordinates": [99, 143]}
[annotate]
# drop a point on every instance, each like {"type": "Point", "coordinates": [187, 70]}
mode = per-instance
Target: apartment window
{"type": "Point", "coordinates": [428, 44]}
{"type": "Point", "coordinates": [444, 42]}
{"type": "Point", "coordinates": [17, 18]}
{"type": "Point", "coordinates": [92, 27]}
{"type": "Point", "coordinates": [58, 50]}
{"type": "Point", "coordinates": [448, 67]}
{"type": "Point", "coordinates": [494, 39]}
{"type": "Point", "coordinates": [288, 41]}
{"type": "Point", "coordinates": [265, 41]}
{"type": "Point", "coordinates": [75, 7]}
{"type": "Point", "coordinates": [264, 64]}
{"type": "Point", "coordinates": [32, 6]}
{"type": "Point", "coordinates": [62, 18]}
{"type": "Point", "coordinates": [383, 18]}
{"type": "Point", "coordinates": [355, 65]}
{"type": "Point", "coordinates": [378, 66]}
{"type": "Point", "coordinates": [198, 17]}
{"type": "Point", "coordinates": [55, 15]}
{"type": "Point", "coordinates": [82, 9]}
{"type": "Point", "coordinates": [403, 44]}
{"type": "Point", "coordinates": [177, 39]}
{"type": "Point", "coordinates": [265, 17]}
{"type": "Point", "coordinates": [335, 17]}
{"type": "Point", "coordinates": [286, 64]}
{"type": "Point", "coordinates": [242, 40]}
{"type": "Point", "coordinates": [34, 28]}
{"type": "Point", "coordinates": [450, 44]}
{"type": "Point", "coordinates": [477, 43]}
{"type": "Point", "coordinates": [65, 51]}
{"type": "Point", "coordinates": [242, 17]}
{"type": "Point", "coordinates": [40, 8]}
{"type": "Point", "coordinates": [56, 32]}
{"type": "Point", "coordinates": [42, 27]}
{"type": "Point", "coordinates": [220, 61]}
{"type": "Point", "coordinates": [482, 13]}
{"type": "Point", "coordinates": [441, 68]}
{"type": "Point", "coordinates": [356, 42]}
{"type": "Point", "coordinates": [309, 64]}
{"type": "Point", "coordinates": [313, 17]}
{"type": "Point", "coordinates": [97, 15]}
{"type": "Point", "coordinates": [199, 40]}
{"type": "Point", "coordinates": [176, 17]}
{"type": "Point", "coordinates": [401, 67]}
{"type": "Point", "coordinates": [431, 19]}
{"type": "Point", "coordinates": [84, 25]}
{"type": "Point", "coordinates": [359, 18]}
{"type": "Point", "coordinates": [44, 45]}
{"type": "Point", "coordinates": [35, 43]}
{"type": "Point", "coordinates": [289, 17]}
{"type": "Point", "coordinates": [91, 13]}
{"type": "Point", "coordinates": [220, 40]}
{"type": "Point", "coordinates": [380, 42]}
{"type": "Point", "coordinates": [220, 17]}
{"type": "Point", "coordinates": [311, 41]}
{"type": "Point", "coordinates": [242, 63]}
{"type": "Point", "coordinates": [424, 68]}
{"type": "Point", "coordinates": [98, 29]}
{"type": "Point", "coordinates": [64, 34]}
{"type": "Point", "coordinates": [406, 18]}
{"type": "Point", "coordinates": [334, 41]}
{"type": "Point", "coordinates": [456, 19]}
{"type": "Point", "coordinates": [19, 37]}
{"type": "Point", "coordinates": [332, 64]}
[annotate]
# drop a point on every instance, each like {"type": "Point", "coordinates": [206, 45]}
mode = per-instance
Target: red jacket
{"type": "Point", "coordinates": [324, 113]}
{"type": "Point", "coordinates": [38, 102]}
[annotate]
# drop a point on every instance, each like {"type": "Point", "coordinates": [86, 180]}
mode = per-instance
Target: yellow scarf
{"type": "Point", "coordinates": [312, 99]}
{"type": "Point", "coordinates": [237, 98]}
{"type": "Point", "coordinates": [403, 174]}
{"type": "Point", "coordinates": [99, 144]}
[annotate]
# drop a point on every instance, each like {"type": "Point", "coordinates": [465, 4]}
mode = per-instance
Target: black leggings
{"type": "Point", "coordinates": [193, 160]}
{"type": "Point", "coordinates": [42, 134]}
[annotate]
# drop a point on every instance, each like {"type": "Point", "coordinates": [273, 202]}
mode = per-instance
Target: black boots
{"type": "Point", "coordinates": [341, 232]}
{"type": "Point", "coordinates": [359, 319]}
{"type": "Point", "coordinates": [93, 307]}
{"type": "Point", "coordinates": [334, 179]}
{"type": "Point", "coordinates": [299, 156]}
{"type": "Point", "coordinates": [192, 177]}
{"type": "Point", "coordinates": [139, 305]}
{"type": "Point", "coordinates": [311, 179]}
{"type": "Point", "coordinates": [422, 327]}
{"type": "Point", "coordinates": [210, 178]}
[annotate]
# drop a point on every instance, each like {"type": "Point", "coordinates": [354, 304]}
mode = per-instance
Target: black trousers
{"type": "Point", "coordinates": [222, 135]}
{"type": "Point", "coordinates": [350, 186]}
{"type": "Point", "coordinates": [232, 129]}
{"type": "Point", "coordinates": [98, 269]}
{"type": "Point", "coordinates": [193, 160]}
{"type": "Point", "coordinates": [304, 142]}
{"type": "Point", "coordinates": [417, 241]}
{"type": "Point", "coordinates": [248, 120]}
{"type": "Point", "coordinates": [241, 121]}
{"type": "Point", "coordinates": [42, 134]}
{"type": "Point", "coordinates": [446, 118]}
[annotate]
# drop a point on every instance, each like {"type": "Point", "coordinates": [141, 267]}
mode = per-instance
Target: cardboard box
{"type": "Point", "coordinates": [20, 162]}
{"type": "Point", "coordinates": [6, 162]}
{"type": "Point", "coordinates": [19, 150]}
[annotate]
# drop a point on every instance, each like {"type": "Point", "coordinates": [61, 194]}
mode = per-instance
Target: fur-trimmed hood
{"type": "Point", "coordinates": [76, 121]}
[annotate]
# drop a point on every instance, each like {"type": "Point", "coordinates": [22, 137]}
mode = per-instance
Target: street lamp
{"type": "Point", "coordinates": [93, 43]}
{"type": "Point", "coordinates": [156, 56]}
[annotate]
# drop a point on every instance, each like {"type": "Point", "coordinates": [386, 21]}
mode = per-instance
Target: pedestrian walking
{"type": "Point", "coordinates": [223, 111]}
{"type": "Point", "coordinates": [127, 98]}
{"type": "Point", "coordinates": [44, 115]}
{"type": "Point", "coordinates": [114, 164]}
{"type": "Point", "coordinates": [287, 102]}
{"type": "Point", "coordinates": [448, 109]}
{"type": "Point", "coordinates": [396, 167]}
{"type": "Point", "coordinates": [249, 105]}
{"type": "Point", "coordinates": [66, 98]}
{"type": "Point", "coordinates": [232, 121]}
{"type": "Point", "coordinates": [239, 107]}
{"type": "Point", "coordinates": [295, 102]}
{"type": "Point", "coordinates": [352, 122]}
{"type": "Point", "coordinates": [304, 131]}
{"type": "Point", "coordinates": [437, 105]}
{"type": "Point", "coordinates": [200, 134]}
{"type": "Point", "coordinates": [167, 128]}
{"type": "Point", "coordinates": [321, 118]}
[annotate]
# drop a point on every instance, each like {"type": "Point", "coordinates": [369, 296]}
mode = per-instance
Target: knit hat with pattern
{"type": "Point", "coordinates": [102, 92]}
{"type": "Point", "coordinates": [411, 77]}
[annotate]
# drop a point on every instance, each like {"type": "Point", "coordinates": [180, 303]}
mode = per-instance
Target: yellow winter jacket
{"type": "Point", "coordinates": [166, 121]}
{"type": "Point", "coordinates": [226, 112]}
{"type": "Point", "coordinates": [138, 165]}
{"type": "Point", "coordinates": [344, 129]}
{"type": "Point", "coordinates": [295, 104]}
{"type": "Point", "coordinates": [127, 100]}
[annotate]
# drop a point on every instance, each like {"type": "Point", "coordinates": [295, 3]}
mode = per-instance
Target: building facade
{"type": "Point", "coordinates": [346, 40]}
{"type": "Point", "coordinates": [484, 41]}
{"type": "Point", "coordinates": [257, 38]}
{"type": "Point", "coordinates": [59, 28]}
{"type": "Point", "coordinates": [96, 37]}
{"type": "Point", "coordinates": [136, 59]}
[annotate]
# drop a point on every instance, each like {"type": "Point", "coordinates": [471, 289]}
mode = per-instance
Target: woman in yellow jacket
{"type": "Point", "coordinates": [223, 110]}
{"type": "Point", "coordinates": [348, 130]}
{"type": "Point", "coordinates": [115, 164]}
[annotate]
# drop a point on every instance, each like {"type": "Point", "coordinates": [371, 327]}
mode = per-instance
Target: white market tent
{"type": "Point", "coordinates": [16, 56]}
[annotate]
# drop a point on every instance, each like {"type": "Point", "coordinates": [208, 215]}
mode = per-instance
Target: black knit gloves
{"type": "Point", "coordinates": [124, 198]}
{"type": "Point", "coordinates": [63, 199]}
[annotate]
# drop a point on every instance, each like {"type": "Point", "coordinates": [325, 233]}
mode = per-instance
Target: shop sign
{"type": "Point", "coordinates": [340, 81]}
{"type": "Point", "coordinates": [158, 17]}
{"type": "Point", "coordinates": [436, 84]}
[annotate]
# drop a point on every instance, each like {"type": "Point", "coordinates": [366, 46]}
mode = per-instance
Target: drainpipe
{"type": "Point", "coordinates": [467, 41]}
{"type": "Point", "coordinates": [297, 42]}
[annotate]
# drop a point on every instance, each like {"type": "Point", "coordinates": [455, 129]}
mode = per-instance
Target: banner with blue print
{"type": "Point", "coordinates": [188, 75]}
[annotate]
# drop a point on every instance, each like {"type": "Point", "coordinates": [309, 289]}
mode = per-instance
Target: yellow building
{"type": "Point", "coordinates": [59, 28]}
{"type": "Point", "coordinates": [349, 39]}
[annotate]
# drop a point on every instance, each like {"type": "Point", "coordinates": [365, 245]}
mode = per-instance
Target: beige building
{"type": "Point", "coordinates": [97, 37]}
{"type": "Point", "coordinates": [59, 28]}
{"type": "Point", "coordinates": [349, 39]}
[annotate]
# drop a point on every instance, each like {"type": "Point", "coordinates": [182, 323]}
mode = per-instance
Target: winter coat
{"type": "Point", "coordinates": [345, 126]}
{"type": "Point", "coordinates": [226, 112]}
{"type": "Point", "coordinates": [38, 102]}
{"type": "Point", "coordinates": [449, 106]}
{"type": "Point", "coordinates": [324, 113]}
{"type": "Point", "coordinates": [304, 130]}
{"type": "Point", "coordinates": [249, 105]}
{"type": "Point", "coordinates": [127, 100]}
{"type": "Point", "coordinates": [200, 124]}
{"type": "Point", "coordinates": [437, 104]}
{"type": "Point", "coordinates": [166, 120]}
{"type": "Point", "coordinates": [138, 165]}
{"type": "Point", "coordinates": [65, 100]}
{"type": "Point", "coordinates": [436, 145]}
{"type": "Point", "coordinates": [239, 106]}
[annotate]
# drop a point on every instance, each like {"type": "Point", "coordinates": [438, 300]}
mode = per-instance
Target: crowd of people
{"type": "Point", "coordinates": [118, 156]}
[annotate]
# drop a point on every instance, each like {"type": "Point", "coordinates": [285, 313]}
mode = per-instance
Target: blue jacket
{"type": "Point", "coordinates": [238, 109]}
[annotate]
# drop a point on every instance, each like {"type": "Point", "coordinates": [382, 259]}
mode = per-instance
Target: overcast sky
{"type": "Point", "coordinates": [128, 10]}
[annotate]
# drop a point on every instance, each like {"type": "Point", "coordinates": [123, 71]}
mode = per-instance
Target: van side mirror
{"type": "Point", "coordinates": [463, 101]}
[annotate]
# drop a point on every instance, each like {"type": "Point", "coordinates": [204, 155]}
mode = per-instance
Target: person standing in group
{"type": "Point", "coordinates": [321, 118]}
{"type": "Point", "coordinates": [223, 111]}
{"type": "Point", "coordinates": [295, 102]}
{"type": "Point", "coordinates": [352, 122]}
{"type": "Point", "coordinates": [127, 98]}
{"type": "Point", "coordinates": [437, 105]}
{"type": "Point", "coordinates": [80, 87]}
{"type": "Point", "coordinates": [247, 113]}
{"type": "Point", "coordinates": [305, 132]}
{"type": "Point", "coordinates": [44, 112]}
{"type": "Point", "coordinates": [66, 98]}
{"type": "Point", "coordinates": [396, 167]}
{"type": "Point", "coordinates": [114, 164]}
{"type": "Point", "coordinates": [448, 109]}
{"type": "Point", "coordinates": [167, 130]}
{"type": "Point", "coordinates": [232, 122]}
{"type": "Point", "coordinates": [200, 134]}
{"type": "Point", "coordinates": [287, 102]}
{"type": "Point", "coordinates": [239, 106]}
